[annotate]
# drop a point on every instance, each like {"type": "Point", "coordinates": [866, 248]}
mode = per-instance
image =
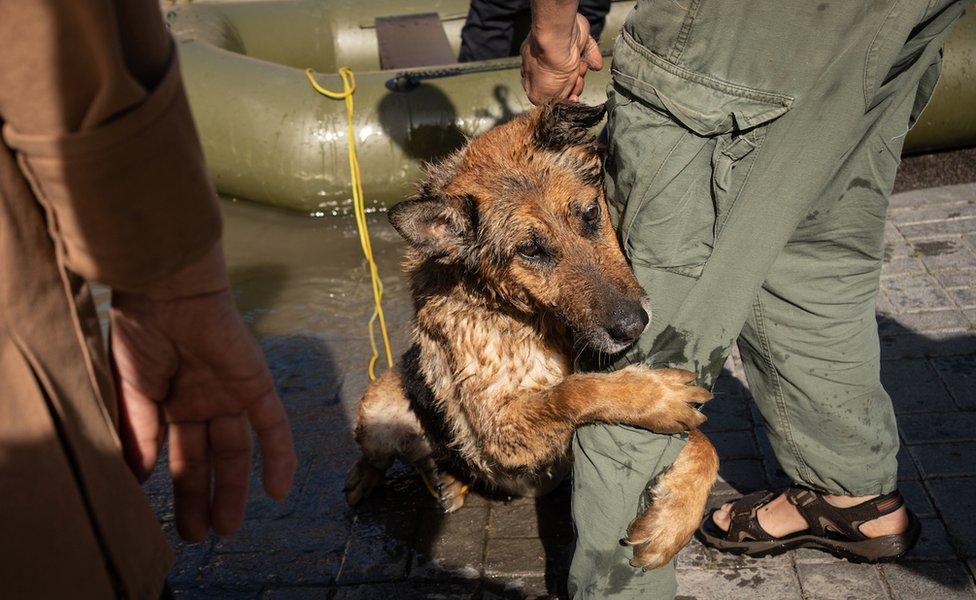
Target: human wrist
{"type": "Point", "coordinates": [204, 275]}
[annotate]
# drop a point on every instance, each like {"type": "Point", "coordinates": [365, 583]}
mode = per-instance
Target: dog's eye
{"type": "Point", "coordinates": [591, 213]}
{"type": "Point", "coordinates": [529, 249]}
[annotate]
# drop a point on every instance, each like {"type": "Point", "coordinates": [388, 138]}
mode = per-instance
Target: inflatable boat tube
{"type": "Point", "coordinates": [268, 137]}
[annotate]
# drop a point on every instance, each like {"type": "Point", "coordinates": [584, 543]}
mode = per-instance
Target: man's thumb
{"type": "Point", "coordinates": [592, 56]}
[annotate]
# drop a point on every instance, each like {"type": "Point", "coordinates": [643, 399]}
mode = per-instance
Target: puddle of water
{"type": "Point", "coordinates": [297, 276]}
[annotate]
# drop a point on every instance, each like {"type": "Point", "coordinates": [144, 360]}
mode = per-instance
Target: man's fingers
{"type": "Point", "coordinates": [230, 448]}
{"type": "Point", "coordinates": [141, 429]}
{"type": "Point", "coordinates": [189, 463]}
{"type": "Point", "coordinates": [592, 56]}
{"type": "Point", "coordinates": [577, 88]}
{"type": "Point", "coordinates": [278, 460]}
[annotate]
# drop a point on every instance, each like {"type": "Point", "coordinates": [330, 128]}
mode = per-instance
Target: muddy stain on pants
{"type": "Point", "coordinates": [752, 150]}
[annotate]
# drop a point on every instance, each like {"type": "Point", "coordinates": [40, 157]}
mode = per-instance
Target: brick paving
{"type": "Point", "coordinates": [398, 545]}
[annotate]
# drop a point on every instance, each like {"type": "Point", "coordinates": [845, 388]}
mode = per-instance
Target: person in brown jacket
{"type": "Point", "coordinates": [102, 180]}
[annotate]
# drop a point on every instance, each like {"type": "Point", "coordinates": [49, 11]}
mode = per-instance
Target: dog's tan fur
{"type": "Point", "coordinates": [488, 393]}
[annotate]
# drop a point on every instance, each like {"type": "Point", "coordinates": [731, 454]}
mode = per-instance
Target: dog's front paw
{"type": "Point", "coordinates": [667, 399]}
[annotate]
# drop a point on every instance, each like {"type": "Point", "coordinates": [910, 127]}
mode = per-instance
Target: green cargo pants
{"type": "Point", "coordinates": [752, 147]}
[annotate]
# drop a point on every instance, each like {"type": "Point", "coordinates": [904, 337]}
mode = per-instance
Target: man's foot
{"type": "Point", "coordinates": [780, 518]}
{"type": "Point", "coordinates": [866, 529]}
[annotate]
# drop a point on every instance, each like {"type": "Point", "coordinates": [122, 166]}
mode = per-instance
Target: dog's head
{"type": "Point", "coordinates": [521, 211]}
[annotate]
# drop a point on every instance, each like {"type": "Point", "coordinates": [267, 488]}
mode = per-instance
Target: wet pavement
{"type": "Point", "coordinates": [302, 287]}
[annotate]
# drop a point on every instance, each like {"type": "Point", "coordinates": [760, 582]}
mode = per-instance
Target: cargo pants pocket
{"type": "Point", "coordinates": [673, 187]}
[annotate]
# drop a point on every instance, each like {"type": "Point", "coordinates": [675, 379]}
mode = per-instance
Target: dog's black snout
{"type": "Point", "coordinates": [628, 323]}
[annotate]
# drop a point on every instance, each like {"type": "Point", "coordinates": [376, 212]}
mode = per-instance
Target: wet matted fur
{"type": "Point", "coordinates": [514, 269]}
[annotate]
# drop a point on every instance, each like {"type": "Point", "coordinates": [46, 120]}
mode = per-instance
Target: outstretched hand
{"type": "Point", "coordinates": [554, 68]}
{"type": "Point", "coordinates": [186, 367]}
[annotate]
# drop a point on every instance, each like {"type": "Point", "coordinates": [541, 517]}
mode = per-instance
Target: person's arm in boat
{"type": "Point", "coordinates": [558, 52]}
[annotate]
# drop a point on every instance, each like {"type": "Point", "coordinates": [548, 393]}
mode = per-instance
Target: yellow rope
{"type": "Point", "coordinates": [359, 208]}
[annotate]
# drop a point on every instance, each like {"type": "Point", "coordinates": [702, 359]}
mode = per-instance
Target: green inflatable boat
{"type": "Point", "coordinates": [270, 138]}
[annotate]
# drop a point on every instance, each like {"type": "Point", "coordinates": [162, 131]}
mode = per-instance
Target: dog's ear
{"type": "Point", "coordinates": [561, 124]}
{"type": "Point", "coordinates": [439, 226]}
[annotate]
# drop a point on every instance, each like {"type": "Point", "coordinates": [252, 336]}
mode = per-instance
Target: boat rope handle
{"type": "Point", "coordinates": [359, 209]}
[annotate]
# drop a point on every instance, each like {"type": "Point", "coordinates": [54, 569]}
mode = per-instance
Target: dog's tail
{"type": "Point", "coordinates": [675, 503]}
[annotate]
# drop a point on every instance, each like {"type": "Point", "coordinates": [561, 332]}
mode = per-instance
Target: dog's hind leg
{"type": "Point", "coordinates": [386, 429]}
{"type": "Point", "coordinates": [675, 504]}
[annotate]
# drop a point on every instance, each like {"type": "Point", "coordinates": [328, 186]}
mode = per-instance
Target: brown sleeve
{"type": "Point", "coordinates": [92, 102]}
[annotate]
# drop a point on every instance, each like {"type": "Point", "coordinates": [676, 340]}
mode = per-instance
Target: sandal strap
{"type": "Point", "coordinates": [744, 518]}
{"type": "Point", "coordinates": [822, 516]}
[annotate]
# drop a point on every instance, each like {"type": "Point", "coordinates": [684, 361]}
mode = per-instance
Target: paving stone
{"type": "Point", "coordinates": [841, 581]}
{"type": "Point", "coordinates": [946, 460]}
{"type": "Point", "coordinates": [210, 593]}
{"type": "Point", "coordinates": [914, 294]}
{"type": "Point", "coordinates": [914, 386]}
{"type": "Point", "coordinates": [519, 557]}
{"type": "Point", "coordinates": [962, 192]}
{"type": "Point", "coordinates": [734, 444]}
{"type": "Point", "coordinates": [959, 375]}
{"type": "Point", "coordinates": [957, 505]}
{"type": "Point", "coordinates": [379, 547]}
{"type": "Point", "coordinates": [917, 498]}
{"type": "Point", "coordinates": [813, 556]}
{"type": "Point", "coordinates": [517, 588]}
{"type": "Point", "coordinates": [694, 556]}
{"type": "Point", "coordinates": [964, 297]}
{"type": "Point", "coordinates": [735, 584]}
{"type": "Point", "coordinates": [931, 581]}
{"type": "Point", "coordinates": [939, 253]}
{"type": "Point", "coordinates": [297, 593]}
{"type": "Point", "coordinates": [409, 590]}
{"type": "Point", "coordinates": [922, 322]}
{"type": "Point", "coordinates": [956, 278]}
{"type": "Point", "coordinates": [727, 412]}
{"type": "Point", "coordinates": [305, 535]}
{"type": "Point", "coordinates": [450, 546]}
{"type": "Point", "coordinates": [271, 567]}
{"type": "Point", "coordinates": [549, 520]}
{"type": "Point", "coordinates": [900, 266]}
{"type": "Point", "coordinates": [740, 477]}
{"type": "Point", "coordinates": [190, 559]}
{"type": "Point", "coordinates": [907, 471]}
{"type": "Point", "coordinates": [933, 543]}
{"type": "Point", "coordinates": [722, 561]}
{"type": "Point", "coordinates": [728, 386]}
{"type": "Point", "coordinates": [939, 427]}
{"type": "Point", "coordinates": [922, 231]}
{"type": "Point", "coordinates": [513, 521]}
{"type": "Point", "coordinates": [883, 305]}
{"type": "Point", "coordinates": [895, 244]}
{"type": "Point", "coordinates": [927, 213]}
{"type": "Point", "coordinates": [931, 344]}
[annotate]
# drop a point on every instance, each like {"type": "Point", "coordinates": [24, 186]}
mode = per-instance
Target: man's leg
{"type": "Point", "coordinates": [621, 459]}
{"type": "Point", "coordinates": [705, 218]}
{"type": "Point", "coordinates": [810, 346]}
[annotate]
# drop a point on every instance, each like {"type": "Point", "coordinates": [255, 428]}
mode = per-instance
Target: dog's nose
{"type": "Point", "coordinates": [629, 325]}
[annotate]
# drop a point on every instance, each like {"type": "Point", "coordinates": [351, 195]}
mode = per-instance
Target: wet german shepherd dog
{"type": "Point", "coordinates": [514, 269]}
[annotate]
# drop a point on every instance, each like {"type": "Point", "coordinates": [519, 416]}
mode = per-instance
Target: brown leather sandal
{"type": "Point", "coordinates": [831, 529]}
